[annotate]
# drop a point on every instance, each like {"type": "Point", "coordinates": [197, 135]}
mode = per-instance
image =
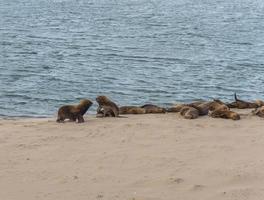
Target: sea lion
{"type": "Point", "coordinates": [175, 108]}
{"type": "Point", "coordinates": [226, 114]}
{"type": "Point", "coordinates": [197, 103]}
{"type": "Point", "coordinates": [189, 112]}
{"type": "Point", "coordinates": [202, 107]}
{"type": "Point", "coordinates": [106, 108]}
{"type": "Point", "coordinates": [259, 111]}
{"type": "Point", "coordinates": [106, 111]}
{"type": "Point", "coordinates": [216, 104]}
{"type": "Point", "coordinates": [131, 110]}
{"type": "Point", "coordinates": [153, 108]}
{"type": "Point", "coordinates": [259, 103]}
{"type": "Point", "coordinates": [74, 112]}
{"type": "Point", "coordinates": [240, 104]}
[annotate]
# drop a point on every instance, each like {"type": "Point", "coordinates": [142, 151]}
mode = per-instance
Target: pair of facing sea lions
{"type": "Point", "coordinates": [75, 112]}
{"type": "Point", "coordinates": [215, 109]}
{"type": "Point", "coordinates": [106, 108]}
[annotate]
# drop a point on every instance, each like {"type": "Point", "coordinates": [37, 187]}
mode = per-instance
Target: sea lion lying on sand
{"type": "Point", "coordinates": [106, 108]}
{"type": "Point", "coordinates": [206, 106]}
{"type": "Point", "coordinates": [74, 112]}
{"type": "Point", "coordinates": [226, 114]}
{"type": "Point", "coordinates": [259, 111]}
{"type": "Point", "coordinates": [131, 110]}
{"type": "Point", "coordinates": [153, 109]}
{"type": "Point", "coordinates": [189, 112]}
{"type": "Point", "coordinates": [178, 107]}
{"type": "Point", "coordinates": [175, 108]}
{"type": "Point", "coordinates": [216, 104]}
{"type": "Point", "coordinates": [202, 107]}
{"type": "Point", "coordinates": [240, 104]}
{"type": "Point", "coordinates": [259, 103]}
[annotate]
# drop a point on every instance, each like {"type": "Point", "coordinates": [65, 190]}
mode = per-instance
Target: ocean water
{"type": "Point", "coordinates": [55, 52]}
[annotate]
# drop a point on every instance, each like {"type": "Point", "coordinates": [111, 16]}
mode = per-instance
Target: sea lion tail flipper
{"type": "Point", "coordinates": [235, 95]}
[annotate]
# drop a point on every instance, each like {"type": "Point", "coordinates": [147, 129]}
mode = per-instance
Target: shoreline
{"type": "Point", "coordinates": [244, 113]}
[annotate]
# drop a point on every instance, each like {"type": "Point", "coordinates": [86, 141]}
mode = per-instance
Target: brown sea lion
{"type": "Point", "coordinates": [131, 110]}
{"type": "Point", "coordinates": [106, 108]}
{"type": "Point", "coordinates": [197, 103]}
{"type": "Point", "coordinates": [189, 112]}
{"type": "Point", "coordinates": [106, 111]}
{"type": "Point", "coordinates": [226, 114]}
{"type": "Point", "coordinates": [153, 109]}
{"type": "Point", "coordinates": [216, 104]}
{"type": "Point", "coordinates": [240, 104]}
{"type": "Point", "coordinates": [202, 107]}
{"type": "Point", "coordinates": [74, 112]}
{"type": "Point", "coordinates": [175, 108]}
{"type": "Point", "coordinates": [259, 103]}
{"type": "Point", "coordinates": [259, 111]}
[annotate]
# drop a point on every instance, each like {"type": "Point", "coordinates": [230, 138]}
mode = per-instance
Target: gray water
{"type": "Point", "coordinates": [55, 52]}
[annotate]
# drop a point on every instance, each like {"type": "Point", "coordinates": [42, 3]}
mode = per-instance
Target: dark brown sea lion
{"type": "Point", "coordinates": [240, 104]}
{"type": "Point", "coordinates": [259, 111]}
{"type": "Point", "coordinates": [226, 114]}
{"type": "Point", "coordinates": [131, 110]}
{"type": "Point", "coordinates": [153, 109]}
{"type": "Point", "coordinates": [74, 112]}
{"type": "Point", "coordinates": [106, 108]}
{"type": "Point", "coordinates": [189, 112]}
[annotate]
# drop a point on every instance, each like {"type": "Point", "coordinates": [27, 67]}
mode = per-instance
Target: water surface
{"type": "Point", "coordinates": [55, 52]}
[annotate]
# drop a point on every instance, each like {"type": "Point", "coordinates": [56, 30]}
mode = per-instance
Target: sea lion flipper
{"type": "Point", "coordinates": [80, 119]}
{"type": "Point", "coordinates": [235, 95]}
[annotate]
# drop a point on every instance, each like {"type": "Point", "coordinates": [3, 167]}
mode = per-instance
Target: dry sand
{"type": "Point", "coordinates": [140, 157]}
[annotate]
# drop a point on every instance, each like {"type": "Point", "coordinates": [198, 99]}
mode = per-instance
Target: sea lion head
{"type": "Point", "coordinates": [85, 102]}
{"type": "Point", "coordinates": [102, 100]}
{"type": "Point", "coordinates": [259, 111]}
{"type": "Point", "coordinates": [234, 116]}
{"type": "Point", "coordinates": [189, 112]}
{"type": "Point", "coordinates": [259, 103]}
{"type": "Point", "coordinates": [84, 105]}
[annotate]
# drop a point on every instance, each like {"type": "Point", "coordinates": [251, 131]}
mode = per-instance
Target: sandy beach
{"type": "Point", "coordinates": [136, 157]}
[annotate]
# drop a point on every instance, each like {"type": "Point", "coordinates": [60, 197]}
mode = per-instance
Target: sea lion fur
{"type": "Point", "coordinates": [106, 108]}
{"type": "Point", "coordinates": [131, 110]}
{"type": "Point", "coordinates": [189, 112]}
{"type": "Point", "coordinates": [150, 108]}
{"type": "Point", "coordinates": [241, 104]}
{"type": "Point", "coordinates": [74, 112]}
{"type": "Point", "coordinates": [259, 111]}
{"type": "Point", "coordinates": [226, 114]}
